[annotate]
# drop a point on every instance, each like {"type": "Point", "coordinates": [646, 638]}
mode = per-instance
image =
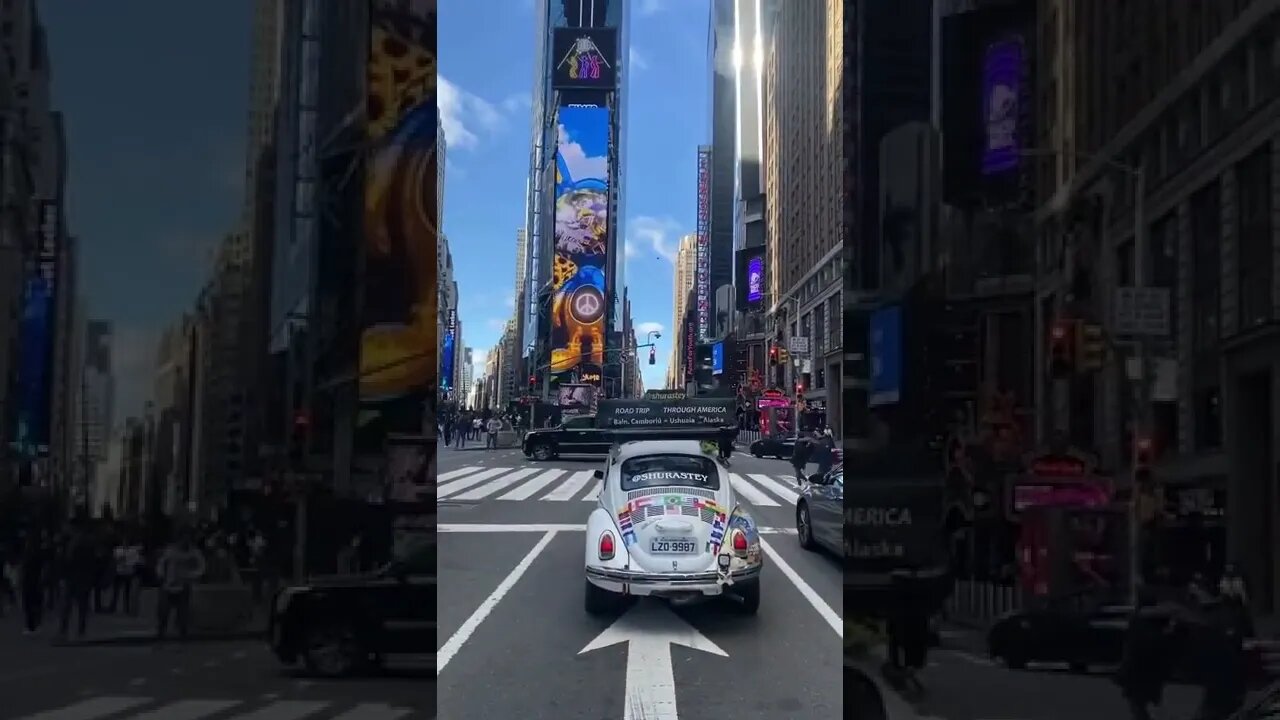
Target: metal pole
{"type": "Point", "coordinates": [1142, 389]}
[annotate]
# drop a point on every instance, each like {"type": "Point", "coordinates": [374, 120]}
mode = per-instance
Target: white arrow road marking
{"type": "Point", "coordinates": [650, 629]}
{"type": "Point", "coordinates": [463, 633]}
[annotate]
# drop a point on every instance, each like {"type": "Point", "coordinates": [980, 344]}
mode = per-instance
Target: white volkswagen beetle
{"type": "Point", "coordinates": [668, 524]}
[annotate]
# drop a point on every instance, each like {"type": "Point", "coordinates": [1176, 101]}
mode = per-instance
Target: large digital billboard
{"type": "Point", "coordinates": [30, 436]}
{"type": "Point", "coordinates": [580, 297]}
{"type": "Point", "coordinates": [749, 277]}
{"type": "Point", "coordinates": [703, 267]}
{"type": "Point", "coordinates": [584, 58]}
{"type": "Point", "coordinates": [886, 356]}
{"type": "Point", "coordinates": [448, 350]}
{"type": "Point", "coordinates": [399, 323]}
{"type": "Point", "coordinates": [1001, 99]}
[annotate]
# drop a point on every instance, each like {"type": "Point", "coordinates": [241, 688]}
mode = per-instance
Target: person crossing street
{"type": "Point", "coordinates": [494, 425]}
{"type": "Point", "coordinates": [179, 567]}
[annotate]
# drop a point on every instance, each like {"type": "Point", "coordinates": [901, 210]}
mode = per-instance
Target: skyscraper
{"type": "Point", "coordinates": [683, 275]}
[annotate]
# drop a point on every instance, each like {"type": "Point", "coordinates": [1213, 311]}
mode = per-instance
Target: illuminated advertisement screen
{"type": "Point", "coordinates": [399, 322]}
{"type": "Point", "coordinates": [579, 295]}
{"type": "Point", "coordinates": [703, 272]}
{"type": "Point", "coordinates": [584, 58]}
{"type": "Point", "coordinates": [717, 359]}
{"type": "Point", "coordinates": [755, 279]}
{"type": "Point", "coordinates": [448, 352]}
{"type": "Point", "coordinates": [1001, 93]}
{"type": "Point", "coordinates": [31, 426]}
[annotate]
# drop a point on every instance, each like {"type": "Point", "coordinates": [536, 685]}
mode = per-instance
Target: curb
{"type": "Point", "coordinates": [148, 637]}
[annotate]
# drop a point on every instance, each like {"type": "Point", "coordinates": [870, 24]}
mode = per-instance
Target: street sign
{"type": "Point", "coordinates": [649, 630]}
{"type": "Point", "coordinates": [1142, 311]}
{"type": "Point", "coordinates": [798, 345]}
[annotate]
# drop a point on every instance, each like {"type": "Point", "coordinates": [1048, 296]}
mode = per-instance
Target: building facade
{"type": "Point", "coordinates": [682, 277]}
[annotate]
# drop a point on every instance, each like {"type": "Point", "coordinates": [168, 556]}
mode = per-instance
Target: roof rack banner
{"type": "Point", "coordinates": [710, 412]}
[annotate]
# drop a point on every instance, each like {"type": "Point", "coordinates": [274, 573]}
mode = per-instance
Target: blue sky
{"type": "Point", "coordinates": [486, 77]}
{"type": "Point", "coordinates": [156, 129]}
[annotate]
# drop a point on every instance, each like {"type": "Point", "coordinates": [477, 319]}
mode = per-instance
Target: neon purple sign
{"type": "Point", "coordinates": [755, 279]}
{"type": "Point", "coordinates": [1001, 97]}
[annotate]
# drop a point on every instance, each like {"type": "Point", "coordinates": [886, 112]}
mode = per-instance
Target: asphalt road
{"type": "Point", "coordinates": [514, 640]}
{"type": "Point", "coordinates": [208, 680]}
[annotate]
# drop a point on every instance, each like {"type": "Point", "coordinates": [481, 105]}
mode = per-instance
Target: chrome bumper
{"type": "Point", "coordinates": [635, 582]}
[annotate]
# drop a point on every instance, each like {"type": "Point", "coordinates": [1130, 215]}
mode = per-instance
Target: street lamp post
{"type": "Point", "coordinates": [1142, 391]}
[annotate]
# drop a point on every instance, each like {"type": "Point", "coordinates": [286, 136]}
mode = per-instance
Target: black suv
{"type": "Point", "coordinates": [340, 625]}
{"type": "Point", "coordinates": [577, 436]}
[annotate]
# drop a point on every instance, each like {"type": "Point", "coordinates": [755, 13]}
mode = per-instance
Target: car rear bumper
{"type": "Point", "coordinates": [631, 582]}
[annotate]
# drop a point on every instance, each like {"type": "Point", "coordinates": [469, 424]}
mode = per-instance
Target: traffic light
{"type": "Point", "coordinates": [533, 383]}
{"type": "Point", "coordinates": [1143, 457]}
{"type": "Point", "coordinates": [783, 356]}
{"type": "Point", "coordinates": [1061, 351]}
{"type": "Point", "coordinates": [298, 436]}
{"type": "Point", "coordinates": [1091, 348]}
{"type": "Point", "coordinates": [653, 356]}
{"type": "Point", "coordinates": [799, 390]}
{"type": "Point", "coordinates": [773, 353]}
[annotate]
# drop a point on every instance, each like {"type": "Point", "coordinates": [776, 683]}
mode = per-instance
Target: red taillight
{"type": "Point", "coordinates": [606, 546]}
{"type": "Point", "coordinates": [740, 543]}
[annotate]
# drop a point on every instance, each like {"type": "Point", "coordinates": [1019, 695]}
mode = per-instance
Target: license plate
{"type": "Point", "coordinates": [673, 546]}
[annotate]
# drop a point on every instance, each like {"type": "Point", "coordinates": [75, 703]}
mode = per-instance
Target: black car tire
{"type": "Point", "coordinates": [757, 453]}
{"type": "Point", "coordinates": [1014, 653]}
{"type": "Point", "coordinates": [543, 452]}
{"type": "Point", "coordinates": [748, 593]}
{"type": "Point", "coordinates": [332, 651]}
{"type": "Point", "coordinates": [598, 601]}
{"type": "Point", "coordinates": [804, 526]}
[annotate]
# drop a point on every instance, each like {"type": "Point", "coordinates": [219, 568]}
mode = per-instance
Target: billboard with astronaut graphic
{"type": "Point", "coordinates": [580, 298]}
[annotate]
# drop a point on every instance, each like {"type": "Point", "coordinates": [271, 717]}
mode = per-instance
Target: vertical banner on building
{"type": "Point", "coordinates": [580, 298]}
{"type": "Point", "coordinates": [447, 350]}
{"type": "Point", "coordinates": [37, 331]}
{"type": "Point", "coordinates": [398, 361]}
{"type": "Point", "coordinates": [703, 273]}
{"type": "Point", "coordinates": [1001, 99]}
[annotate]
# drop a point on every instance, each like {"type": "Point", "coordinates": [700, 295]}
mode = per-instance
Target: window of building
{"type": "Point", "coordinates": [819, 331]}
{"type": "Point", "coordinates": [1163, 263]}
{"type": "Point", "coordinates": [1256, 267]}
{"type": "Point", "coordinates": [1206, 244]}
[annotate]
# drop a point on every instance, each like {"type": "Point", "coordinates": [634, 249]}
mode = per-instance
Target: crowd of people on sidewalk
{"type": "Point", "coordinates": [463, 425]}
{"type": "Point", "coordinates": [99, 567]}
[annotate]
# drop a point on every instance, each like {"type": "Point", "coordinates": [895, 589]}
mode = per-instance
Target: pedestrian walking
{"type": "Point", "coordinates": [31, 581]}
{"type": "Point", "coordinates": [460, 432]}
{"type": "Point", "coordinates": [800, 457]}
{"type": "Point", "coordinates": [1151, 645]}
{"type": "Point", "coordinates": [493, 427]}
{"type": "Point", "coordinates": [179, 567]}
{"type": "Point", "coordinates": [127, 557]}
{"type": "Point", "coordinates": [447, 429]}
{"type": "Point", "coordinates": [80, 575]}
{"type": "Point", "coordinates": [476, 426]}
{"type": "Point", "coordinates": [824, 451]}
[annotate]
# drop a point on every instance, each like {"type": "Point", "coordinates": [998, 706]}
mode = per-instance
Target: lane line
{"type": "Point", "coordinates": [569, 487]}
{"type": "Point", "coordinates": [187, 710]}
{"type": "Point", "coordinates": [594, 495]}
{"type": "Point", "coordinates": [831, 616]}
{"type": "Point", "coordinates": [750, 492]}
{"type": "Point", "coordinates": [529, 488]}
{"type": "Point", "coordinates": [466, 482]}
{"type": "Point", "coordinates": [555, 527]}
{"type": "Point", "coordinates": [283, 710]}
{"type": "Point", "coordinates": [493, 486]}
{"type": "Point", "coordinates": [92, 709]}
{"type": "Point", "coordinates": [460, 637]}
{"type": "Point", "coordinates": [374, 711]}
{"type": "Point", "coordinates": [455, 473]}
{"type": "Point", "coordinates": [778, 488]}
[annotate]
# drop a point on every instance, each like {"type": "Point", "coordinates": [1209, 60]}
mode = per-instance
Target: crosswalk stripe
{"type": "Point", "coordinates": [187, 710]}
{"type": "Point", "coordinates": [499, 483]}
{"type": "Point", "coordinates": [91, 709]}
{"type": "Point", "coordinates": [283, 710]}
{"type": "Point", "coordinates": [466, 482]}
{"type": "Point", "coordinates": [374, 711]}
{"type": "Point", "coordinates": [595, 492]}
{"type": "Point", "coordinates": [570, 487]}
{"type": "Point", "coordinates": [455, 473]}
{"type": "Point", "coordinates": [749, 491]}
{"type": "Point", "coordinates": [778, 488]}
{"type": "Point", "coordinates": [534, 485]}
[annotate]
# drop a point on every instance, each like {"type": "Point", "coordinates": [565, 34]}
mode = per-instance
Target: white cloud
{"type": "Point", "coordinates": [516, 102]}
{"type": "Point", "coordinates": [465, 117]}
{"type": "Point", "coordinates": [478, 358]}
{"type": "Point", "coordinates": [509, 300]}
{"type": "Point", "coordinates": [659, 235]}
{"type": "Point", "coordinates": [638, 60]}
{"type": "Point", "coordinates": [497, 323]}
{"type": "Point", "coordinates": [645, 328]}
{"type": "Point", "coordinates": [651, 7]}
{"type": "Point", "coordinates": [576, 160]}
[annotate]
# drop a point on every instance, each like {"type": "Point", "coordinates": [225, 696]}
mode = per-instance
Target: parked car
{"type": "Point", "coordinates": [668, 524]}
{"type": "Point", "coordinates": [776, 446]}
{"type": "Point", "coordinates": [820, 512]}
{"type": "Point", "coordinates": [340, 625]}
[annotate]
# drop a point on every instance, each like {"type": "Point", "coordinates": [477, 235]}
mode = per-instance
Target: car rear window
{"type": "Point", "coordinates": [669, 471]}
